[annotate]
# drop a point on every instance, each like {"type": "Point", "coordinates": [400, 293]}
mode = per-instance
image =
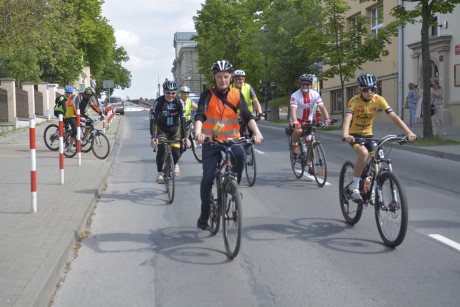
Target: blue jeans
{"type": "Point", "coordinates": [412, 109]}
{"type": "Point", "coordinates": [211, 154]}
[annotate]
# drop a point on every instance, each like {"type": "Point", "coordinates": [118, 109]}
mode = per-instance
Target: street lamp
{"type": "Point", "coordinates": [264, 31]}
{"type": "Point", "coordinates": [190, 69]}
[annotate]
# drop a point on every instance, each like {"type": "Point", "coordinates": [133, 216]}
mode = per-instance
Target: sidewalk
{"type": "Point", "coordinates": [35, 247]}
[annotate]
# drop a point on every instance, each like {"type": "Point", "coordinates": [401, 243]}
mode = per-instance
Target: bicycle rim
{"type": "Point", "coordinates": [169, 177]}
{"type": "Point", "coordinates": [232, 218]}
{"type": "Point", "coordinates": [87, 145]}
{"type": "Point", "coordinates": [100, 145]}
{"type": "Point", "coordinates": [391, 211]}
{"type": "Point", "coordinates": [214, 216]}
{"type": "Point", "coordinates": [250, 166]}
{"type": "Point", "coordinates": [296, 162]}
{"type": "Point", "coordinates": [350, 210]}
{"type": "Point", "coordinates": [319, 164]}
{"type": "Point", "coordinates": [51, 137]}
{"type": "Point", "coordinates": [197, 150]}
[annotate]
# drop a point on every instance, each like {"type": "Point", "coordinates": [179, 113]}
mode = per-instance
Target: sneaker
{"type": "Point", "coordinates": [356, 196]}
{"type": "Point", "coordinates": [295, 149]}
{"type": "Point", "coordinates": [176, 170]}
{"type": "Point", "coordinates": [71, 149]}
{"type": "Point", "coordinates": [160, 179]}
{"type": "Point", "coordinates": [202, 222]}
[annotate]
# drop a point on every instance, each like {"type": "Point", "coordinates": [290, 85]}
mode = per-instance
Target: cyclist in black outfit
{"type": "Point", "coordinates": [166, 119]}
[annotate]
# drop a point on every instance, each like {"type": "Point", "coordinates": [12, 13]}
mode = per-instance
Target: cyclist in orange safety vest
{"type": "Point", "coordinates": [217, 117]}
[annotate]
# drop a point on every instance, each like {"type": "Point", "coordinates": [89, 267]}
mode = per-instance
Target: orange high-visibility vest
{"type": "Point", "coordinates": [219, 112]}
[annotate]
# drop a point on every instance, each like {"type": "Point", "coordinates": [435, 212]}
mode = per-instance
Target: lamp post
{"type": "Point", "coordinates": [264, 32]}
{"type": "Point", "coordinates": [190, 69]}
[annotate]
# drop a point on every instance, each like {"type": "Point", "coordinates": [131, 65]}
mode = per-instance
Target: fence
{"type": "Point", "coordinates": [3, 105]}
{"type": "Point", "coordinates": [38, 96]}
{"type": "Point", "coordinates": [22, 104]}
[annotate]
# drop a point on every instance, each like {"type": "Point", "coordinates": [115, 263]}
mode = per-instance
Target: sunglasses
{"type": "Point", "coordinates": [170, 93]}
{"type": "Point", "coordinates": [305, 84]}
{"type": "Point", "coordinates": [369, 88]}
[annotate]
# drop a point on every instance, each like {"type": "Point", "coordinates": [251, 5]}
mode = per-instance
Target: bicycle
{"type": "Point", "coordinates": [196, 148]}
{"type": "Point", "coordinates": [311, 152]}
{"type": "Point", "coordinates": [250, 165]}
{"type": "Point", "coordinates": [226, 199]}
{"type": "Point", "coordinates": [51, 136]}
{"type": "Point", "coordinates": [94, 140]}
{"type": "Point", "coordinates": [379, 187]}
{"type": "Point", "coordinates": [169, 173]}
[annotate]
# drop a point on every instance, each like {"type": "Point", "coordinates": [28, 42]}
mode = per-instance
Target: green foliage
{"type": "Point", "coordinates": [52, 40]}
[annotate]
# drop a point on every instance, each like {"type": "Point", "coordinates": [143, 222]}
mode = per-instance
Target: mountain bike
{"type": "Point", "coordinates": [250, 166]}
{"type": "Point", "coordinates": [379, 187]}
{"type": "Point", "coordinates": [169, 173]}
{"type": "Point", "coordinates": [226, 199]}
{"type": "Point", "coordinates": [311, 152]}
{"type": "Point", "coordinates": [94, 140]}
{"type": "Point", "coordinates": [196, 148]}
{"type": "Point", "coordinates": [51, 136]}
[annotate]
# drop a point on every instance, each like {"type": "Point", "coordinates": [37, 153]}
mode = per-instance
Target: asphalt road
{"type": "Point", "coordinates": [296, 248]}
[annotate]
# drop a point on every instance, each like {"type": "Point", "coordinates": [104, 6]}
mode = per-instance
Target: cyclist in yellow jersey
{"type": "Point", "coordinates": [187, 103]}
{"type": "Point", "coordinates": [358, 122]}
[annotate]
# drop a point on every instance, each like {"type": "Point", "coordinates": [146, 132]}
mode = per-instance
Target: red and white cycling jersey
{"type": "Point", "coordinates": [305, 103]}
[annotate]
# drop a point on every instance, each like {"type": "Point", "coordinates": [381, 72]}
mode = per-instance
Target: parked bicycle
{"type": "Point", "coordinates": [226, 199]}
{"type": "Point", "coordinates": [379, 187]}
{"type": "Point", "coordinates": [311, 152]}
{"type": "Point", "coordinates": [94, 140]}
{"type": "Point", "coordinates": [169, 174]}
{"type": "Point", "coordinates": [196, 148]}
{"type": "Point", "coordinates": [250, 166]}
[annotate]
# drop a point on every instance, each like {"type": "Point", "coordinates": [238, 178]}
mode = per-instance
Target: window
{"type": "Point", "coordinates": [351, 91]}
{"type": "Point", "coordinates": [434, 29]}
{"type": "Point", "coordinates": [336, 101]}
{"type": "Point", "coordinates": [376, 19]}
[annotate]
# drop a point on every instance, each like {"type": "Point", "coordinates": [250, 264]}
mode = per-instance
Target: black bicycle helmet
{"type": "Point", "coordinates": [222, 65]}
{"type": "Point", "coordinates": [366, 80]}
{"type": "Point", "coordinates": [307, 78]}
{"type": "Point", "coordinates": [169, 85]}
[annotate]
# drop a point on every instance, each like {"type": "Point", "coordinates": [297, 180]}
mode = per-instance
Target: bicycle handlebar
{"type": "Point", "coordinates": [401, 139]}
{"type": "Point", "coordinates": [227, 143]}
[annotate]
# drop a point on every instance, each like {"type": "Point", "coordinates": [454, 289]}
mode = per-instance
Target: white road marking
{"type": "Point", "coordinates": [446, 241]}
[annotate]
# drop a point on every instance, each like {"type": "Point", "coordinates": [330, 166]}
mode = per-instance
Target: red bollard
{"type": "Point", "coordinates": [61, 147]}
{"type": "Point", "coordinates": [33, 163]}
{"type": "Point", "coordinates": [78, 137]}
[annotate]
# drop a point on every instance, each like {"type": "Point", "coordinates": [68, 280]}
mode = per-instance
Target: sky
{"type": "Point", "coordinates": [145, 29]}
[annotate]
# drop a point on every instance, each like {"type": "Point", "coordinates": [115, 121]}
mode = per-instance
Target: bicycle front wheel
{"type": "Point", "coordinates": [351, 211]}
{"type": "Point", "coordinates": [100, 145]}
{"type": "Point", "coordinates": [51, 137]}
{"type": "Point", "coordinates": [319, 166]}
{"type": "Point", "coordinates": [250, 165]}
{"type": "Point", "coordinates": [391, 212]}
{"type": "Point", "coordinates": [169, 176]}
{"type": "Point", "coordinates": [298, 167]}
{"type": "Point", "coordinates": [232, 218]}
{"type": "Point", "coordinates": [196, 149]}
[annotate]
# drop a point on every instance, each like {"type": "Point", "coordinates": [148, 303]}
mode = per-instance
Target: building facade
{"type": "Point", "coordinates": [185, 65]}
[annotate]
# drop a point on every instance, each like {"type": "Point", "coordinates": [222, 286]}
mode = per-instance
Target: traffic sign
{"type": "Point", "coordinates": [107, 83]}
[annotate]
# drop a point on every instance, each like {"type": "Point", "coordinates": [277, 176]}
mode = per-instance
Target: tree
{"type": "Point", "coordinates": [426, 9]}
{"type": "Point", "coordinates": [342, 52]}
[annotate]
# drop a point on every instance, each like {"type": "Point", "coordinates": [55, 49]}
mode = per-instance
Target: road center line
{"type": "Point", "coordinates": [446, 241]}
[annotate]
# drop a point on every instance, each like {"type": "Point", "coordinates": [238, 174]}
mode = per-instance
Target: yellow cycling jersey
{"type": "Point", "coordinates": [364, 112]}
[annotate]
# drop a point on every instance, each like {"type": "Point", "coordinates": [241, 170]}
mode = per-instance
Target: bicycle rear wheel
{"type": "Point", "coordinates": [51, 137]}
{"type": "Point", "coordinates": [318, 160]}
{"type": "Point", "coordinates": [196, 149]}
{"type": "Point", "coordinates": [391, 212]}
{"type": "Point", "coordinates": [296, 162]}
{"type": "Point", "coordinates": [169, 176]}
{"type": "Point", "coordinates": [250, 165]}
{"type": "Point", "coordinates": [100, 145]}
{"type": "Point", "coordinates": [232, 218]}
{"type": "Point", "coordinates": [351, 211]}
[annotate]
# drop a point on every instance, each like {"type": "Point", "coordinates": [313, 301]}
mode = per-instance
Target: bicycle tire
{"type": "Point", "coordinates": [87, 145]}
{"type": "Point", "coordinates": [51, 137]}
{"type": "Point", "coordinates": [196, 149]}
{"type": "Point", "coordinates": [251, 165]}
{"type": "Point", "coordinates": [319, 164]}
{"type": "Point", "coordinates": [100, 145]}
{"type": "Point", "coordinates": [296, 162]}
{"type": "Point", "coordinates": [215, 212]}
{"type": "Point", "coordinates": [231, 218]}
{"type": "Point", "coordinates": [169, 177]}
{"type": "Point", "coordinates": [391, 212]}
{"type": "Point", "coordinates": [351, 211]}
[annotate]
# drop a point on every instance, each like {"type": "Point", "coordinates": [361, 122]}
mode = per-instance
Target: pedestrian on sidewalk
{"type": "Point", "coordinates": [437, 100]}
{"type": "Point", "coordinates": [412, 101]}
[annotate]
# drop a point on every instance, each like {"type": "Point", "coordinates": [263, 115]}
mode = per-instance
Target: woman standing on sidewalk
{"type": "Point", "coordinates": [412, 100]}
{"type": "Point", "coordinates": [438, 100]}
